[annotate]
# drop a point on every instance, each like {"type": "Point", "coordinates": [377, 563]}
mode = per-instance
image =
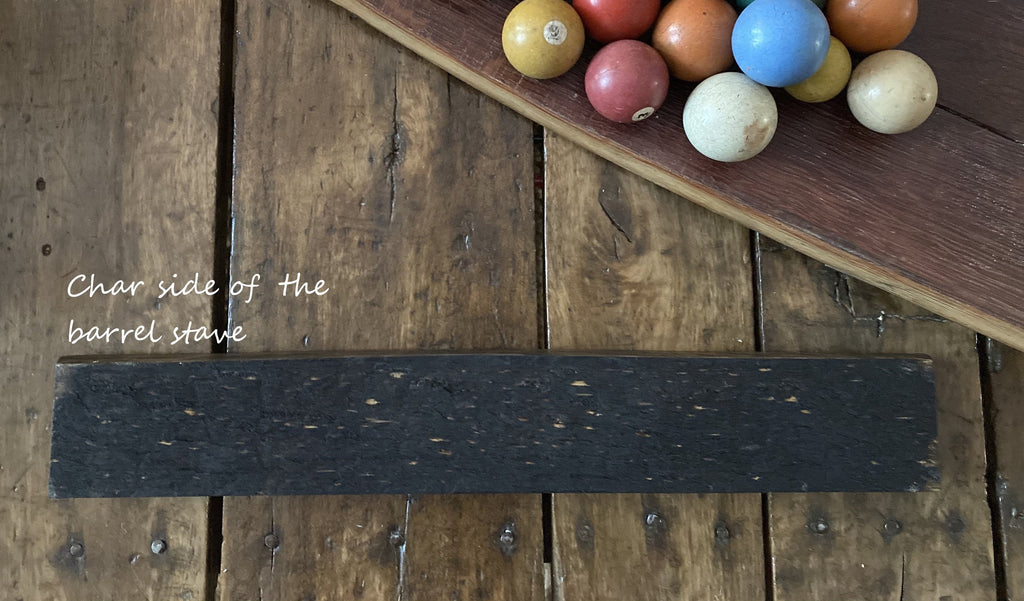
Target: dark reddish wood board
{"type": "Point", "coordinates": [977, 52]}
{"type": "Point", "coordinates": [934, 215]}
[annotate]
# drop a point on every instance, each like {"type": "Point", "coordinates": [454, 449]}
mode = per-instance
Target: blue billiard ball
{"type": "Point", "coordinates": [780, 43]}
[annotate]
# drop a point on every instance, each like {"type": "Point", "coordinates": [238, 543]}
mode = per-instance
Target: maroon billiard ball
{"type": "Point", "coordinates": [627, 81]}
{"type": "Point", "coordinates": [610, 20]}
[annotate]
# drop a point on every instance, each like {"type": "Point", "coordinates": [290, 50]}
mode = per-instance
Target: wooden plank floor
{"type": "Point", "coordinates": [439, 220]}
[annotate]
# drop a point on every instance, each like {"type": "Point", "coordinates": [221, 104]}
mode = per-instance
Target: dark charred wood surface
{"type": "Point", "coordinates": [491, 424]}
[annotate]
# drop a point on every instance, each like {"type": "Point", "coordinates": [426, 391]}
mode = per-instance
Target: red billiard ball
{"type": "Point", "coordinates": [627, 81]}
{"type": "Point", "coordinates": [611, 20]}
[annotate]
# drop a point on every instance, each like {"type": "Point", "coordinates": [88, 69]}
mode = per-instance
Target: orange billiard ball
{"type": "Point", "coordinates": [871, 25]}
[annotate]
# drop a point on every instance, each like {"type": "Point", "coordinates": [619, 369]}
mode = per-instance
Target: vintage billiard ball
{"type": "Point", "coordinates": [694, 36]}
{"type": "Point", "coordinates": [610, 20]}
{"type": "Point", "coordinates": [829, 80]}
{"type": "Point", "coordinates": [741, 4]}
{"type": "Point", "coordinates": [730, 117]}
{"type": "Point", "coordinates": [780, 42]}
{"type": "Point", "coordinates": [542, 38]}
{"type": "Point", "coordinates": [871, 25]}
{"type": "Point", "coordinates": [627, 81]}
{"type": "Point", "coordinates": [892, 92]}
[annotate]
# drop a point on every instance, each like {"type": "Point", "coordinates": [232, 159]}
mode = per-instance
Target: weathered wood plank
{"type": "Point", "coordinates": [631, 266]}
{"type": "Point", "coordinates": [466, 546]}
{"type": "Point", "coordinates": [880, 546]}
{"type": "Point", "coordinates": [1006, 387]}
{"type": "Point", "coordinates": [468, 173]}
{"type": "Point", "coordinates": [410, 196]}
{"type": "Point", "coordinates": [933, 215]}
{"type": "Point", "coordinates": [107, 144]}
{"type": "Point", "coordinates": [448, 423]}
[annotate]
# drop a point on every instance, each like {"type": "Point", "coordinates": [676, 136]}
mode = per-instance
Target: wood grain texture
{"type": "Point", "coordinates": [880, 546]}
{"type": "Point", "coordinates": [1006, 390]}
{"type": "Point", "coordinates": [448, 423]}
{"type": "Point", "coordinates": [932, 215]}
{"type": "Point", "coordinates": [631, 266]}
{"type": "Point", "coordinates": [107, 145]}
{"type": "Point", "coordinates": [409, 194]}
{"type": "Point", "coordinates": [977, 52]}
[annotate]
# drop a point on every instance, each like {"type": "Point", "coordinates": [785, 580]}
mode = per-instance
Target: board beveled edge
{"type": "Point", "coordinates": [802, 241]}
